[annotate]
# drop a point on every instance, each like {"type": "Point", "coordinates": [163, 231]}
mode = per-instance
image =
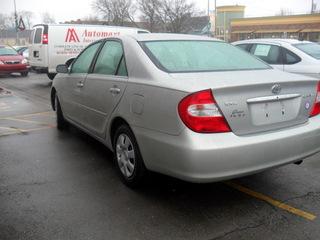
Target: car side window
{"type": "Point", "coordinates": [83, 62]}
{"type": "Point", "coordinates": [290, 57]}
{"type": "Point", "coordinates": [269, 53]}
{"type": "Point", "coordinates": [110, 60]}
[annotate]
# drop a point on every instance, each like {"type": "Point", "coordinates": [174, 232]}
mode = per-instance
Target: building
{"type": "Point", "coordinates": [10, 37]}
{"type": "Point", "coordinates": [225, 15]}
{"type": "Point", "coordinates": [306, 27]}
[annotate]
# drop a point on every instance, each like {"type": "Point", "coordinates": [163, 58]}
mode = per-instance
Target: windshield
{"type": "Point", "coordinates": [199, 56]}
{"type": "Point", "coordinates": [7, 51]}
{"type": "Point", "coordinates": [311, 49]}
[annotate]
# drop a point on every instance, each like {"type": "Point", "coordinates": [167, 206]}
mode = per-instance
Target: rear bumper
{"type": "Point", "coordinates": [213, 157]}
{"type": "Point", "coordinates": [12, 68]}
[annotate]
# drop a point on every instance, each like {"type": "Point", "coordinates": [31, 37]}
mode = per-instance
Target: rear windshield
{"type": "Point", "coordinates": [311, 49]}
{"type": "Point", "coordinates": [199, 56]}
{"type": "Point", "coordinates": [7, 51]}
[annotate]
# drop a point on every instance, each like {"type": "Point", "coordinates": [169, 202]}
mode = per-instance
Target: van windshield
{"type": "Point", "coordinates": [199, 56]}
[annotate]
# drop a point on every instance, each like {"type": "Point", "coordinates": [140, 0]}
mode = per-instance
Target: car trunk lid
{"type": "Point", "coordinates": [256, 101]}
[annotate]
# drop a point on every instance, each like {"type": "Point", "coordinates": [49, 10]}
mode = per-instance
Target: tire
{"type": "Point", "coordinates": [62, 124]}
{"type": "Point", "coordinates": [24, 74]}
{"type": "Point", "coordinates": [51, 75]}
{"type": "Point", "coordinates": [127, 157]}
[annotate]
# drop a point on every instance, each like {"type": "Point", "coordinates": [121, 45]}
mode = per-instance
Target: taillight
{"type": "Point", "coordinates": [200, 113]}
{"type": "Point", "coordinates": [316, 106]}
{"type": "Point", "coordinates": [44, 38]}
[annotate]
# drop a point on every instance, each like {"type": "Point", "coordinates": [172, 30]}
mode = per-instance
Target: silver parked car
{"type": "Point", "coordinates": [290, 55]}
{"type": "Point", "coordinates": [191, 107]}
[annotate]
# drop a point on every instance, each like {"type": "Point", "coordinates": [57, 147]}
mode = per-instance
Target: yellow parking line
{"type": "Point", "coordinates": [27, 121]}
{"type": "Point", "coordinates": [18, 130]}
{"type": "Point", "coordinates": [271, 201]}
{"type": "Point", "coordinates": [28, 115]}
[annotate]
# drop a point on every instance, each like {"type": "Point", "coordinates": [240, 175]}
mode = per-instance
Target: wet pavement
{"type": "Point", "coordinates": [63, 185]}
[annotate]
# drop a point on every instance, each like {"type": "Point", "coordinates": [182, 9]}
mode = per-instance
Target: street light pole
{"type": "Point", "coordinates": [16, 20]}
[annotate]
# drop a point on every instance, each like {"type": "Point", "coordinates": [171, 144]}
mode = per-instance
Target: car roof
{"type": "Point", "coordinates": [272, 40]}
{"type": "Point", "coordinates": [170, 36]}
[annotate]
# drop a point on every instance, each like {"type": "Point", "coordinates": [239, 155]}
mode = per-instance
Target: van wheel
{"type": "Point", "coordinates": [61, 122]}
{"type": "Point", "coordinates": [127, 157]}
{"type": "Point", "coordinates": [51, 75]}
{"type": "Point", "coordinates": [24, 74]}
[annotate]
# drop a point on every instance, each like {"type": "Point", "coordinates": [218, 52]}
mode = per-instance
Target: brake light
{"type": "Point", "coordinates": [44, 38]}
{"type": "Point", "coordinates": [316, 106]}
{"type": "Point", "coordinates": [200, 113]}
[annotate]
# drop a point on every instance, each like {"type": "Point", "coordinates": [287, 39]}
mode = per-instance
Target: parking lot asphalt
{"type": "Point", "coordinates": [63, 185]}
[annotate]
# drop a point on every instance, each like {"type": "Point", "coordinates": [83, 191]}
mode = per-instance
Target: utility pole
{"type": "Point", "coordinates": [209, 22]}
{"type": "Point", "coordinates": [215, 18]}
{"type": "Point", "coordinates": [312, 6]}
{"type": "Point", "coordinates": [16, 20]}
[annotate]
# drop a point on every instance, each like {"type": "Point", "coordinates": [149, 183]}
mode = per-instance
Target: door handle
{"type": "Point", "coordinates": [114, 90]}
{"type": "Point", "coordinates": [80, 84]}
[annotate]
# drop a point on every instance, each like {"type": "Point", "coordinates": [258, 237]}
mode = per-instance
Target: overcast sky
{"type": "Point", "coordinates": [64, 10]}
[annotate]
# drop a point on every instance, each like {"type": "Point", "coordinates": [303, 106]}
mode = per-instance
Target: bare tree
{"type": "Point", "coordinates": [27, 17]}
{"type": "Point", "coordinates": [150, 12]}
{"type": "Point", "coordinates": [47, 18]}
{"type": "Point", "coordinates": [11, 23]}
{"type": "Point", "coordinates": [116, 12]}
{"type": "Point", "coordinates": [177, 14]}
{"type": "Point", "coordinates": [3, 21]}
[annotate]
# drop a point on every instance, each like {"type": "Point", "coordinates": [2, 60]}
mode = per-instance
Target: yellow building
{"type": "Point", "coordinates": [305, 27]}
{"type": "Point", "coordinates": [225, 15]}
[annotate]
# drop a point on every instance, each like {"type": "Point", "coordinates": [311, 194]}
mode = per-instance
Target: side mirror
{"type": "Point", "coordinates": [62, 68]}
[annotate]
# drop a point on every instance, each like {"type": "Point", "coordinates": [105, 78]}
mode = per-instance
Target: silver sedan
{"type": "Point", "coordinates": [191, 107]}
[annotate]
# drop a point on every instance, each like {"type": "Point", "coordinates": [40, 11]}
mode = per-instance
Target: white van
{"type": "Point", "coordinates": [54, 44]}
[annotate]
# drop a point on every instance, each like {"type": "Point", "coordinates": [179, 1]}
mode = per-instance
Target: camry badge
{"type": "Point", "coordinates": [276, 89]}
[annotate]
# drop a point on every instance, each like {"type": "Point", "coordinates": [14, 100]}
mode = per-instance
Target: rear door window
{"type": "Point", "coordinates": [111, 60]}
{"type": "Point", "coordinates": [37, 35]}
{"type": "Point", "coordinates": [289, 57]}
{"type": "Point", "coordinates": [269, 53]}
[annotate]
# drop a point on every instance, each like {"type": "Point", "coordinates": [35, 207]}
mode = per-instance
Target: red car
{"type": "Point", "coordinates": [12, 62]}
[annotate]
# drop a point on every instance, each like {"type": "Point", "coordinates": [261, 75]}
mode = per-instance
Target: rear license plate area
{"type": "Point", "coordinates": [270, 112]}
